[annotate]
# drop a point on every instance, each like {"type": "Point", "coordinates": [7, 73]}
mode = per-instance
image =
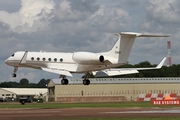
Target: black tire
{"type": "Point", "coordinates": [14, 75]}
{"type": "Point", "coordinates": [66, 81]}
{"type": "Point", "coordinates": [84, 82]}
{"type": "Point", "coordinates": [88, 82]}
{"type": "Point", "coordinates": [63, 81]}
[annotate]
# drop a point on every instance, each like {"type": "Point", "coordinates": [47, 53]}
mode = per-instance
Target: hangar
{"type": "Point", "coordinates": [114, 89]}
{"type": "Point", "coordinates": [10, 94]}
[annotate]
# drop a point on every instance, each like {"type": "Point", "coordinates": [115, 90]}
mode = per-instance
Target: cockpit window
{"type": "Point", "coordinates": [12, 55]}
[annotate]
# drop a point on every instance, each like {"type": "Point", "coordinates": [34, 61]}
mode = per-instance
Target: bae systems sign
{"type": "Point", "coordinates": [166, 102]}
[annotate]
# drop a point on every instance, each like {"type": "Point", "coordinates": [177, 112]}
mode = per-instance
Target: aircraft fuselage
{"type": "Point", "coordinates": [38, 60]}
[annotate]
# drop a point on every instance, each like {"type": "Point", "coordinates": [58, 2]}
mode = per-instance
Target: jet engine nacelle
{"type": "Point", "coordinates": [87, 58]}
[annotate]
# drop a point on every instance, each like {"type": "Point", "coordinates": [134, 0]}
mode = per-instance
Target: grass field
{"type": "Point", "coordinates": [50, 105]}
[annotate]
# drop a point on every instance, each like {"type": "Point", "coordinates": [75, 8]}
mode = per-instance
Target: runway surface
{"type": "Point", "coordinates": [46, 114]}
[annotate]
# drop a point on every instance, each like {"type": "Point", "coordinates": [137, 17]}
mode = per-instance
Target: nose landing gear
{"type": "Point", "coordinates": [15, 70]}
{"type": "Point", "coordinates": [14, 75]}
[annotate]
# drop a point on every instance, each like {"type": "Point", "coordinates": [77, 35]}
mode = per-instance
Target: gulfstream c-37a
{"type": "Point", "coordinates": [99, 64]}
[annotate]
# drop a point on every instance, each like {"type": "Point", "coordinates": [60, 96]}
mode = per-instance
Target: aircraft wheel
{"type": "Point", "coordinates": [14, 75]}
{"type": "Point", "coordinates": [63, 81]}
{"type": "Point", "coordinates": [86, 82]}
{"type": "Point", "coordinates": [66, 81]}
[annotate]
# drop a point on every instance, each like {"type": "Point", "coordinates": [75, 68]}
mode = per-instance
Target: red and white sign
{"type": "Point", "coordinates": [160, 96]}
{"type": "Point", "coordinates": [166, 102]}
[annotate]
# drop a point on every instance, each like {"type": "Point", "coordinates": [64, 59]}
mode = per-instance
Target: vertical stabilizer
{"type": "Point", "coordinates": [123, 46]}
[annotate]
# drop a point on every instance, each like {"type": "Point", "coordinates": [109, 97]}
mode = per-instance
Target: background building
{"type": "Point", "coordinates": [114, 89]}
{"type": "Point", "coordinates": [11, 94]}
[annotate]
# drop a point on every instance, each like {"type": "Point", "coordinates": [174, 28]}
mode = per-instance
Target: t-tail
{"type": "Point", "coordinates": [123, 46]}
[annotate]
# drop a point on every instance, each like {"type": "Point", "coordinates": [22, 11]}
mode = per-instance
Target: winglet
{"type": "Point", "coordinates": [161, 63]}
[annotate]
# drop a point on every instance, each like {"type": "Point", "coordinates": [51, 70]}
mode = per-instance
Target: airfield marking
{"type": "Point", "coordinates": [145, 111]}
{"type": "Point", "coordinates": [41, 114]}
{"type": "Point", "coordinates": [29, 111]}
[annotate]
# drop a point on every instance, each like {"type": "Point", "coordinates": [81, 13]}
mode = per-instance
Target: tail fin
{"type": "Point", "coordinates": [123, 46]}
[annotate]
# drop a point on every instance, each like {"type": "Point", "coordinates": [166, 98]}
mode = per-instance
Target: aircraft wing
{"type": "Point", "coordinates": [124, 71]}
{"type": "Point", "coordinates": [58, 71]}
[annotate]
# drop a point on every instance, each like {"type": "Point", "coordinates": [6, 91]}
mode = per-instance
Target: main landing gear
{"type": "Point", "coordinates": [65, 81]}
{"type": "Point", "coordinates": [15, 70]}
{"type": "Point", "coordinates": [86, 81]}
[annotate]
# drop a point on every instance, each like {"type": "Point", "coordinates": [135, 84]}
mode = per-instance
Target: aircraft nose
{"type": "Point", "coordinates": [6, 61]}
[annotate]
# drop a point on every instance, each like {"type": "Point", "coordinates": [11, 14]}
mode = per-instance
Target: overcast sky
{"type": "Point", "coordinates": [85, 25]}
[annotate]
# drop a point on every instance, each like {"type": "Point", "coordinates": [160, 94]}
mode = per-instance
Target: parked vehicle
{"type": "Point", "coordinates": [24, 100]}
{"type": "Point", "coordinates": [1, 99]}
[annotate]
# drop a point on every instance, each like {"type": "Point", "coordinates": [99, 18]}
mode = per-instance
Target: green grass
{"type": "Point", "coordinates": [51, 105]}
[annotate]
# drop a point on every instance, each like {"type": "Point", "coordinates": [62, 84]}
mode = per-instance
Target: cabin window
{"type": "Point", "coordinates": [32, 58]}
{"type": "Point", "coordinates": [61, 60]}
{"type": "Point", "coordinates": [55, 59]}
{"type": "Point", "coordinates": [44, 59]}
{"type": "Point", "coordinates": [49, 59]}
{"type": "Point", "coordinates": [38, 58]}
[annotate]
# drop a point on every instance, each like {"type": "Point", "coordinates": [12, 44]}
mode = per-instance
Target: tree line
{"type": "Point", "coordinates": [172, 71]}
{"type": "Point", "coordinates": [24, 83]}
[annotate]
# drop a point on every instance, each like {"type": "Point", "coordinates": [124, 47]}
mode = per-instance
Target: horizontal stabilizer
{"type": "Point", "coordinates": [140, 34]}
{"type": "Point", "coordinates": [58, 71]}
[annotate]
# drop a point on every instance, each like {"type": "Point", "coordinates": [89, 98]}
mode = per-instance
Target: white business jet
{"type": "Point", "coordinates": [99, 64]}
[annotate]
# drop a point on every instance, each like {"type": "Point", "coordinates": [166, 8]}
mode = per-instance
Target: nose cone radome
{"type": "Point", "coordinates": [6, 61]}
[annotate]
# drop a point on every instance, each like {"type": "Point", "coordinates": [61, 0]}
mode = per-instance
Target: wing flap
{"type": "Point", "coordinates": [58, 71]}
